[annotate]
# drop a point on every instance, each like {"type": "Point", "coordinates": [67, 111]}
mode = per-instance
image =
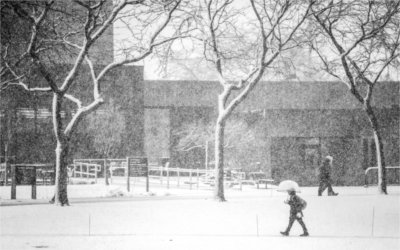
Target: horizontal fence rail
{"type": "Point", "coordinates": [186, 176]}
{"type": "Point", "coordinates": [84, 169]}
{"type": "Point", "coordinates": [116, 171]}
{"type": "Point", "coordinates": [376, 168]}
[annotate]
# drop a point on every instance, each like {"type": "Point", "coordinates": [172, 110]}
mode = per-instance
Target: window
{"type": "Point", "coordinates": [311, 152]}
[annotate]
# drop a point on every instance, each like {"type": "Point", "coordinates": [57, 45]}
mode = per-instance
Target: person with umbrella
{"type": "Point", "coordinates": [325, 177]}
{"type": "Point", "coordinates": [297, 205]}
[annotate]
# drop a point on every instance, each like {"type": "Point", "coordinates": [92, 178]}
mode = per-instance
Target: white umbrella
{"type": "Point", "coordinates": [288, 185]}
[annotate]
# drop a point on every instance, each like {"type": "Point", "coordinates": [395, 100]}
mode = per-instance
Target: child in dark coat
{"type": "Point", "coordinates": [297, 205]}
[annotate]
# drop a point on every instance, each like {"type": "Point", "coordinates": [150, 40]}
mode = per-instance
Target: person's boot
{"type": "Point", "coordinates": [285, 233]}
{"type": "Point", "coordinates": [52, 201]}
{"type": "Point", "coordinates": [305, 234]}
{"type": "Point", "coordinates": [333, 194]}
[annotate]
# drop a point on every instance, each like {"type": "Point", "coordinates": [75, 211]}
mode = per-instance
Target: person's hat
{"type": "Point", "coordinates": [329, 158]}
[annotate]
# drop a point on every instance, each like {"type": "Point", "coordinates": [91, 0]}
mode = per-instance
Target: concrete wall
{"type": "Point", "coordinates": [268, 95]}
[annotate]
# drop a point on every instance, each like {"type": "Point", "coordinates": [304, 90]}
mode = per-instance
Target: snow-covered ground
{"type": "Point", "coordinates": [190, 219]}
{"type": "Point", "coordinates": [118, 188]}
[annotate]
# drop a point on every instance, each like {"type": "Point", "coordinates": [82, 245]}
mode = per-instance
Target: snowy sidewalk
{"type": "Point", "coordinates": [195, 243]}
{"type": "Point", "coordinates": [95, 191]}
{"type": "Point", "coordinates": [251, 219]}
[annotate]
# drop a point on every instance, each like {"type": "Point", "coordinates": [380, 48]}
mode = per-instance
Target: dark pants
{"type": "Point", "coordinates": [323, 184]}
{"type": "Point", "coordinates": [292, 218]}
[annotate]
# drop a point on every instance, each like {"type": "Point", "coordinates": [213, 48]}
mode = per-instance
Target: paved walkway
{"type": "Point", "coordinates": [250, 219]}
{"type": "Point", "coordinates": [175, 242]}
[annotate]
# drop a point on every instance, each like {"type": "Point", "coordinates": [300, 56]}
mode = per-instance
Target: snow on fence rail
{"type": "Point", "coordinates": [180, 175]}
{"type": "Point", "coordinates": [84, 169]}
{"type": "Point", "coordinates": [113, 165]}
{"type": "Point", "coordinates": [165, 174]}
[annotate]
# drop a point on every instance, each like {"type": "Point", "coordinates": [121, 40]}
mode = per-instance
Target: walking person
{"type": "Point", "coordinates": [325, 180]}
{"type": "Point", "coordinates": [297, 205]}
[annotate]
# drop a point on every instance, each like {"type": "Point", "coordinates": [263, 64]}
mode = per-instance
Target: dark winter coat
{"type": "Point", "coordinates": [325, 171]}
{"type": "Point", "coordinates": [296, 204]}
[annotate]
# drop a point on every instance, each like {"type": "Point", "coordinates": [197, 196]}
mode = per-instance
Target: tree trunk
{"type": "Point", "coordinates": [60, 193]}
{"type": "Point", "coordinates": [219, 160]}
{"type": "Point", "coordinates": [7, 143]}
{"type": "Point", "coordinates": [62, 148]}
{"type": "Point", "coordinates": [380, 159]}
{"type": "Point", "coordinates": [6, 162]}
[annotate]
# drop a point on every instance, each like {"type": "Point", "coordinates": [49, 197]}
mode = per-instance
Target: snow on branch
{"type": "Point", "coordinates": [360, 35]}
{"type": "Point", "coordinates": [151, 44]}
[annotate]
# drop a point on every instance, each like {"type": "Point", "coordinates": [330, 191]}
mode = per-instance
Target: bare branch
{"type": "Point", "coordinates": [363, 45]}
{"type": "Point", "coordinates": [26, 87]}
{"type": "Point", "coordinates": [74, 99]}
{"type": "Point", "coordinates": [81, 112]}
{"type": "Point", "coordinates": [96, 85]}
{"type": "Point", "coordinates": [152, 44]}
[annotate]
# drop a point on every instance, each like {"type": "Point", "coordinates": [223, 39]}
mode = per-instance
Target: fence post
{"type": "Point", "coordinates": [5, 172]}
{"type": "Point", "coordinates": [198, 178]}
{"type": "Point", "coordinates": [106, 173]}
{"type": "Point", "coordinates": [73, 170]}
{"type": "Point", "coordinates": [13, 182]}
{"type": "Point", "coordinates": [240, 181]}
{"type": "Point", "coordinates": [33, 195]}
{"type": "Point", "coordinates": [161, 175]}
{"type": "Point", "coordinates": [178, 175]}
{"type": "Point", "coordinates": [87, 171]}
{"type": "Point", "coordinates": [147, 178]}
{"type": "Point", "coordinates": [167, 178]}
{"type": "Point", "coordinates": [96, 172]}
{"type": "Point", "coordinates": [128, 187]}
{"type": "Point", "coordinates": [190, 179]}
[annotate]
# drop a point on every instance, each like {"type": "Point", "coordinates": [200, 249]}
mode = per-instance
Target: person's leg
{"type": "Point", "coordinates": [291, 221]}
{"type": "Point", "coordinates": [322, 187]}
{"type": "Point", "coordinates": [303, 225]}
{"type": "Point", "coordinates": [330, 189]}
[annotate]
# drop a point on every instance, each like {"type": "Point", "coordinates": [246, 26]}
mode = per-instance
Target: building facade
{"type": "Point", "coordinates": [299, 124]}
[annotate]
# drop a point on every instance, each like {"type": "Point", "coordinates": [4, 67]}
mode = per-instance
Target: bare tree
{"type": "Point", "coordinates": [357, 41]}
{"type": "Point", "coordinates": [90, 21]}
{"type": "Point", "coordinates": [241, 40]}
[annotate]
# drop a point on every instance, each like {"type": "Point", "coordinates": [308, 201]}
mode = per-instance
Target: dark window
{"type": "Point", "coordinates": [311, 152]}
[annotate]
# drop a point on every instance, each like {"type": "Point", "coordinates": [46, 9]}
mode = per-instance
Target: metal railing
{"type": "Point", "coordinates": [371, 168]}
{"type": "Point", "coordinates": [179, 175]}
{"type": "Point", "coordinates": [84, 169]}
